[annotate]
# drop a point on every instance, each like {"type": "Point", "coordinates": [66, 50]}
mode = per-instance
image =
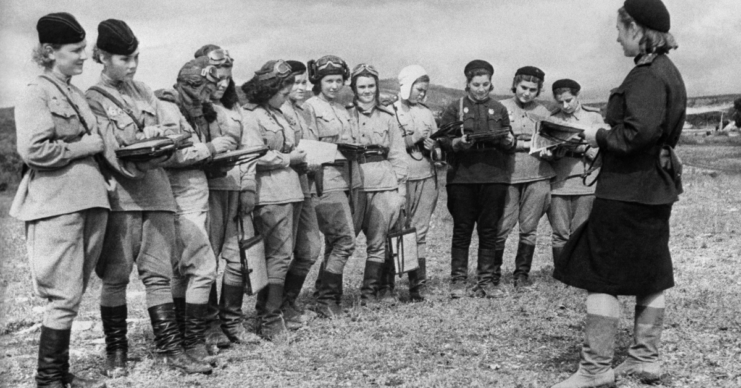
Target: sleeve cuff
{"type": "Point", "coordinates": [602, 138]}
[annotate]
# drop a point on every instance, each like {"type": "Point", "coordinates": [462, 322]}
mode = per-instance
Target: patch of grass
{"type": "Point", "coordinates": [526, 339]}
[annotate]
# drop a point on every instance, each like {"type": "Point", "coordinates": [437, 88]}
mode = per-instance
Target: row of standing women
{"type": "Point", "coordinates": [173, 217]}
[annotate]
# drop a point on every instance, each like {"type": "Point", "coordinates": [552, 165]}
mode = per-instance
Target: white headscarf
{"type": "Point", "coordinates": [407, 76]}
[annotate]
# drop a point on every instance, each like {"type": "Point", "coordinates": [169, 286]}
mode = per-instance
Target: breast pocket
{"type": "Point", "coordinates": [381, 136]}
{"type": "Point", "coordinates": [494, 121]}
{"type": "Point", "coordinates": [328, 126]}
{"type": "Point", "coordinates": [66, 122]}
{"type": "Point", "coordinates": [273, 136]}
{"type": "Point", "coordinates": [148, 116]}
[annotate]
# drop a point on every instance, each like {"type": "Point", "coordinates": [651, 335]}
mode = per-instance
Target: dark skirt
{"type": "Point", "coordinates": [622, 249]}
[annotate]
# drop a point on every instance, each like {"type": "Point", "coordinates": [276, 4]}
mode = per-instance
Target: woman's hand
{"type": "Point", "coordinates": [523, 146]}
{"type": "Point", "coordinates": [223, 144]}
{"type": "Point", "coordinates": [590, 135]}
{"type": "Point", "coordinates": [152, 131]}
{"type": "Point", "coordinates": [429, 144]}
{"type": "Point", "coordinates": [462, 143]}
{"type": "Point", "coordinates": [247, 200]}
{"type": "Point", "coordinates": [92, 143]}
{"type": "Point", "coordinates": [297, 157]}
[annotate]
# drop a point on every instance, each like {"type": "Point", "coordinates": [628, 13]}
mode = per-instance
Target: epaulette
{"type": "Point", "coordinates": [169, 95]}
{"type": "Point", "coordinates": [556, 110]}
{"type": "Point", "coordinates": [423, 104]}
{"type": "Point", "coordinates": [591, 108]}
{"type": "Point", "coordinates": [249, 106]}
{"type": "Point", "coordinates": [350, 106]}
{"type": "Point", "coordinates": [385, 109]}
{"type": "Point", "coordinates": [385, 98]}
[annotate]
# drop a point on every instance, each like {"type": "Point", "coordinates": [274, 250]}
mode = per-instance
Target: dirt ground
{"type": "Point", "coordinates": [526, 339]}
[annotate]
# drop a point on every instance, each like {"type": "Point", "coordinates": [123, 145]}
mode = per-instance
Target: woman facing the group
{"type": "Point", "coordinates": [174, 217]}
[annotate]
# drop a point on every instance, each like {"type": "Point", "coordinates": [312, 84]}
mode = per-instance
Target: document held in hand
{"type": "Point", "coordinates": [318, 152]}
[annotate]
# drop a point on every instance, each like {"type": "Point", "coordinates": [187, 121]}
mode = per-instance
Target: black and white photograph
{"type": "Point", "coordinates": [392, 193]}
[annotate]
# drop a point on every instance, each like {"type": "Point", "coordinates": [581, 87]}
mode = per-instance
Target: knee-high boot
{"type": "Point", "coordinates": [53, 362]}
{"type": "Point", "coordinates": [523, 262]}
{"type": "Point", "coordinates": [214, 335]}
{"type": "Point", "coordinates": [458, 272]}
{"type": "Point", "coordinates": [117, 346]}
{"type": "Point", "coordinates": [371, 282]}
{"type": "Point", "coordinates": [418, 281]}
{"type": "Point", "coordinates": [168, 341]}
{"type": "Point", "coordinates": [271, 322]}
{"type": "Point", "coordinates": [328, 305]}
{"type": "Point", "coordinates": [293, 314]}
{"type": "Point", "coordinates": [643, 354]}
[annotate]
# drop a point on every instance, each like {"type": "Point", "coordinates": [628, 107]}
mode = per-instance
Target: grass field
{"type": "Point", "coordinates": [527, 339]}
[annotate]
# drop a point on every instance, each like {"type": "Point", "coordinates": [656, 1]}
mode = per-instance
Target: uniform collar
{"type": "Point", "coordinates": [645, 59]}
{"type": "Point", "coordinates": [477, 101]}
{"type": "Point", "coordinates": [108, 81]}
{"type": "Point", "coordinates": [65, 80]}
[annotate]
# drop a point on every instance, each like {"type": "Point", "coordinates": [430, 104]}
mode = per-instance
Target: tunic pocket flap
{"type": "Point", "coordinates": [62, 110]}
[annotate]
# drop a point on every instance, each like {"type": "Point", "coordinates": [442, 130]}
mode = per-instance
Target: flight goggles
{"type": "Point", "coordinates": [274, 69]}
{"type": "Point", "coordinates": [219, 58]}
{"type": "Point", "coordinates": [210, 73]}
{"type": "Point", "coordinates": [329, 62]}
{"type": "Point", "coordinates": [364, 69]}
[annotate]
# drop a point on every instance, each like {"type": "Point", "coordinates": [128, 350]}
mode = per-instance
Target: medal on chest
{"type": "Point", "coordinates": [465, 110]}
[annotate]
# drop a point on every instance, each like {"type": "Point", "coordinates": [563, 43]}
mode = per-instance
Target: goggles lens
{"type": "Point", "coordinates": [364, 69]}
{"type": "Point", "coordinates": [276, 69]}
{"type": "Point", "coordinates": [210, 73]}
{"type": "Point", "coordinates": [220, 57]}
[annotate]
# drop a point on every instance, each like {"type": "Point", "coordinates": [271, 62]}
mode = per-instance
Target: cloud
{"type": "Point", "coordinates": [567, 38]}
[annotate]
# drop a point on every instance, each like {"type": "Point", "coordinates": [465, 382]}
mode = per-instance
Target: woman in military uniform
{"type": "Point", "coordinates": [418, 123]}
{"type": "Point", "coordinates": [623, 248]}
{"type": "Point", "coordinates": [335, 185]}
{"type": "Point", "coordinates": [528, 194]}
{"type": "Point", "coordinates": [308, 239]}
{"type": "Point", "coordinates": [383, 172]}
{"type": "Point", "coordinates": [141, 227]}
{"type": "Point", "coordinates": [279, 195]}
{"type": "Point", "coordinates": [571, 199]}
{"type": "Point", "coordinates": [62, 197]}
{"type": "Point", "coordinates": [477, 179]}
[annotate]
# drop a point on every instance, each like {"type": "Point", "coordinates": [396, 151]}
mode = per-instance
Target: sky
{"type": "Point", "coordinates": [566, 38]}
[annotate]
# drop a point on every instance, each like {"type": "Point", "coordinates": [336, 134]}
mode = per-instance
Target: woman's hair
{"type": "Point", "coordinates": [561, 91]}
{"type": "Point", "coordinates": [527, 78]}
{"type": "Point", "coordinates": [653, 41]}
{"type": "Point", "coordinates": [259, 92]}
{"type": "Point", "coordinates": [353, 84]}
{"type": "Point", "coordinates": [41, 56]}
{"type": "Point", "coordinates": [230, 97]}
{"type": "Point", "coordinates": [424, 78]}
{"type": "Point", "coordinates": [99, 54]}
{"type": "Point", "coordinates": [470, 76]}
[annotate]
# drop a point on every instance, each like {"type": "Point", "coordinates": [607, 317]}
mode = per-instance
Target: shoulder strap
{"type": "Point", "coordinates": [401, 126]}
{"type": "Point", "coordinates": [69, 100]}
{"type": "Point", "coordinates": [460, 113]}
{"type": "Point", "coordinates": [119, 104]}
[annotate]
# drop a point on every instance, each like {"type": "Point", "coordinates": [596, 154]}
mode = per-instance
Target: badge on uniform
{"type": "Point", "coordinates": [491, 111]}
{"type": "Point", "coordinates": [113, 112]}
{"type": "Point", "coordinates": [465, 110]}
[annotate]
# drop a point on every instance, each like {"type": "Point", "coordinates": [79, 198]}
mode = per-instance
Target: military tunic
{"type": "Point", "coordinates": [62, 197]}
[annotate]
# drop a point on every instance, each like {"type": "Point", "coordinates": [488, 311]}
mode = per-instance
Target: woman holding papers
{"type": "Point", "coordinates": [141, 226]}
{"type": "Point", "coordinates": [279, 194]}
{"type": "Point", "coordinates": [308, 239]}
{"type": "Point", "coordinates": [528, 194]}
{"type": "Point", "coordinates": [383, 170]}
{"type": "Point", "coordinates": [62, 198]}
{"type": "Point", "coordinates": [478, 174]}
{"type": "Point", "coordinates": [571, 199]}
{"type": "Point", "coordinates": [417, 124]}
{"type": "Point", "coordinates": [623, 248]}
{"type": "Point", "coordinates": [335, 185]}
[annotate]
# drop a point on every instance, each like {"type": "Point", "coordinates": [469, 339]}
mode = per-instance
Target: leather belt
{"type": "Point", "coordinates": [370, 158]}
{"type": "Point", "coordinates": [573, 154]}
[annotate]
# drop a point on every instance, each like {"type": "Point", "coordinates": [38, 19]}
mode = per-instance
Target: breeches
{"type": "Point", "coordinates": [375, 213]}
{"type": "Point", "coordinates": [142, 237]}
{"type": "Point", "coordinates": [421, 202]}
{"type": "Point", "coordinates": [63, 251]}
{"type": "Point", "coordinates": [525, 203]}
{"type": "Point", "coordinates": [195, 263]}
{"type": "Point", "coordinates": [308, 239]}
{"type": "Point", "coordinates": [566, 213]}
{"type": "Point", "coordinates": [476, 205]}
{"type": "Point", "coordinates": [277, 224]}
{"type": "Point", "coordinates": [336, 223]}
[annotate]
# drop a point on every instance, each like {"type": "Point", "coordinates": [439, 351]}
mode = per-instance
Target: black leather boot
{"type": "Point", "coordinates": [116, 344]}
{"type": "Point", "coordinates": [418, 281]}
{"type": "Point", "coordinates": [230, 312]}
{"type": "Point", "coordinates": [387, 282]}
{"type": "Point", "coordinates": [327, 305]}
{"type": "Point", "coordinates": [371, 282]}
{"type": "Point", "coordinates": [168, 341]}
{"type": "Point", "coordinates": [458, 272]}
{"type": "Point", "coordinates": [271, 322]}
{"type": "Point", "coordinates": [556, 253]}
{"type": "Point", "coordinates": [179, 304]}
{"type": "Point", "coordinates": [293, 314]}
{"type": "Point", "coordinates": [523, 262]}
{"type": "Point", "coordinates": [485, 285]}
{"type": "Point", "coordinates": [498, 259]}
{"type": "Point", "coordinates": [194, 339]}
{"type": "Point", "coordinates": [215, 337]}
{"type": "Point", "coordinates": [53, 364]}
